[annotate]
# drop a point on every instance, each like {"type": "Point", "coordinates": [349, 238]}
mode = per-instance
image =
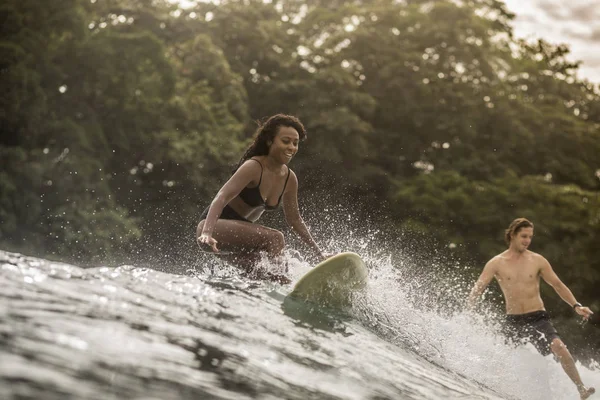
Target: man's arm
{"type": "Point", "coordinates": [488, 273]}
{"type": "Point", "coordinates": [550, 277]}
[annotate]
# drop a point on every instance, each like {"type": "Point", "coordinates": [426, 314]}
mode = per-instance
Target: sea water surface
{"type": "Point", "coordinates": [132, 332]}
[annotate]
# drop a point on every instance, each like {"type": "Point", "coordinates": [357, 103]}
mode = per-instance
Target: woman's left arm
{"type": "Point", "coordinates": [292, 215]}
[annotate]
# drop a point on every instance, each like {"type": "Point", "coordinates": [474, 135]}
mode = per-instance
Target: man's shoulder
{"type": "Point", "coordinates": [499, 257]}
{"type": "Point", "coordinates": [506, 255]}
{"type": "Point", "coordinates": [538, 260]}
{"type": "Point", "coordinates": [535, 256]}
{"type": "Point", "coordinates": [496, 260]}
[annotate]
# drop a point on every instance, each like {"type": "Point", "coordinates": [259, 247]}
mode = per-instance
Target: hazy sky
{"type": "Point", "coordinates": [574, 22]}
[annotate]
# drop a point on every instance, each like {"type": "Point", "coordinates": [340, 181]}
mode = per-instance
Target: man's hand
{"type": "Point", "coordinates": [585, 312]}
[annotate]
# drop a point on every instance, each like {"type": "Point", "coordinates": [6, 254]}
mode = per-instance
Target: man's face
{"type": "Point", "coordinates": [522, 239]}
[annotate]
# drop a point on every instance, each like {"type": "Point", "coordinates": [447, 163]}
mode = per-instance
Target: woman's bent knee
{"type": "Point", "coordinates": [276, 243]}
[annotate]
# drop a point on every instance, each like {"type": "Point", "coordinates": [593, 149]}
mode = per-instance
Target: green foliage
{"type": "Point", "coordinates": [52, 206]}
{"type": "Point", "coordinates": [468, 217]}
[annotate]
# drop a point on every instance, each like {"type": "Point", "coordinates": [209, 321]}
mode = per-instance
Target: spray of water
{"type": "Point", "coordinates": [416, 301]}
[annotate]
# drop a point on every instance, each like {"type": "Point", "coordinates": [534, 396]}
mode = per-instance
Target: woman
{"type": "Point", "coordinates": [261, 182]}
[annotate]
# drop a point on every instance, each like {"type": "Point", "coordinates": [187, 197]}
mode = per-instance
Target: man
{"type": "Point", "coordinates": [518, 273]}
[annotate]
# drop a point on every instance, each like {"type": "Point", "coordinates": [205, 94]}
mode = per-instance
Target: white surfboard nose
{"type": "Point", "coordinates": [333, 281]}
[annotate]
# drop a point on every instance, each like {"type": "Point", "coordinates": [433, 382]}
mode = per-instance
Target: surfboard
{"type": "Point", "coordinates": [333, 281]}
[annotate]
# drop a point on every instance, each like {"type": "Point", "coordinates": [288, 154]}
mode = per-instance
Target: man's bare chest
{"type": "Point", "coordinates": [518, 273]}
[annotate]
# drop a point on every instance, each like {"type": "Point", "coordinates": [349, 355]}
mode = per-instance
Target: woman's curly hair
{"type": "Point", "coordinates": [265, 134]}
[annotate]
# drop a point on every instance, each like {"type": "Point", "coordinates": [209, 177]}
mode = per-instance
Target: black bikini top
{"type": "Point", "coordinates": [253, 197]}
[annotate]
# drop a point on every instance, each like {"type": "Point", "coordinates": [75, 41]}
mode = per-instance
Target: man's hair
{"type": "Point", "coordinates": [515, 227]}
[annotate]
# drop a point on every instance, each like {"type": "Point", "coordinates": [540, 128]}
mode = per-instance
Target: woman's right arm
{"type": "Point", "coordinates": [238, 181]}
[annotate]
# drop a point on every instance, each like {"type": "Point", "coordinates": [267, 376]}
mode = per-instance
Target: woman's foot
{"type": "Point", "coordinates": [249, 263]}
{"type": "Point", "coordinates": [272, 276]}
{"type": "Point", "coordinates": [279, 278]}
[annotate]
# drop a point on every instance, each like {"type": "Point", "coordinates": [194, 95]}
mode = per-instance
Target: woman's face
{"type": "Point", "coordinates": [285, 144]}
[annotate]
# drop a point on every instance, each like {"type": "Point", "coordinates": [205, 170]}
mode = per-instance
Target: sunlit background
{"type": "Point", "coordinates": [576, 23]}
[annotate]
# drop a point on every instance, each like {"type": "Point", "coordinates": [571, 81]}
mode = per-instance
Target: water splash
{"type": "Point", "coordinates": [409, 305]}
